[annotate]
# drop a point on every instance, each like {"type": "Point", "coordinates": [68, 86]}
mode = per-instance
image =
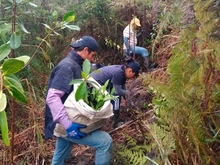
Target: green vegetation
{"type": "Point", "coordinates": [187, 104]}
{"type": "Point", "coordinates": [11, 83]}
{"type": "Point", "coordinates": [11, 64]}
{"type": "Point", "coordinates": [90, 91]}
{"type": "Point", "coordinates": [35, 35]}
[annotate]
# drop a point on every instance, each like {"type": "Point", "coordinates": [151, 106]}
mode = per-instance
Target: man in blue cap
{"type": "Point", "coordinates": [117, 76]}
{"type": "Point", "coordinates": [58, 90]}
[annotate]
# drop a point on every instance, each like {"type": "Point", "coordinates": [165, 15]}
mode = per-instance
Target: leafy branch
{"type": "Point", "coordinates": [11, 65]}
{"type": "Point", "coordinates": [90, 91]}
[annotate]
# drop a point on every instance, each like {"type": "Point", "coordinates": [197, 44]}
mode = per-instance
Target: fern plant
{"type": "Point", "coordinates": [154, 147]}
{"type": "Point", "coordinates": [188, 108]}
{"type": "Point", "coordinates": [132, 153]}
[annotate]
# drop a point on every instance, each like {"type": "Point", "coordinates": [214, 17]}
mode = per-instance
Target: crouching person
{"type": "Point", "coordinates": [117, 76]}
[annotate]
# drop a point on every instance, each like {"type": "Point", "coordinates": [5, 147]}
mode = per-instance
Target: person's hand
{"type": "Point", "coordinates": [129, 52]}
{"type": "Point", "coordinates": [73, 131]}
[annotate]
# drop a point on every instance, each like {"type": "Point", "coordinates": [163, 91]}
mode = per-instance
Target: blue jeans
{"type": "Point", "coordinates": [138, 50]}
{"type": "Point", "coordinates": [98, 139]}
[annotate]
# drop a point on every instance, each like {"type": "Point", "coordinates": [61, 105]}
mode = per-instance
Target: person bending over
{"type": "Point", "coordinates": [117, 76]}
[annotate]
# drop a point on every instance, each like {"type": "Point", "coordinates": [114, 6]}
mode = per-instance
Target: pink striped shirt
{"type": "Point", "coordinates": [132, 36]}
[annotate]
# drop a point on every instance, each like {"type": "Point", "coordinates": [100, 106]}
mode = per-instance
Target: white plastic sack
{"type": "Point", "coordinates": [81, 113]}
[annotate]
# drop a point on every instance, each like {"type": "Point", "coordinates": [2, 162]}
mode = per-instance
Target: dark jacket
{"type": "Point", "coordinates": [66, 70]}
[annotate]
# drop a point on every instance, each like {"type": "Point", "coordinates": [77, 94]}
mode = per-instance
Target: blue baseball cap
{"type": "Point", "coordinates": [135, 66]}
{"type": "Point", "coordinates": [86, 41]}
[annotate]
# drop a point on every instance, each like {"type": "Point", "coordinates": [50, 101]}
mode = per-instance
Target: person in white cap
{"type": "Point", "coordinates": [130, 42]}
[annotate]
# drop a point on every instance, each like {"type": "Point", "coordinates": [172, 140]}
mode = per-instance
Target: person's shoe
{"type": "Point", "coordinates": [116, 121]}
{"type": "Point", "coordinates": [153, 65]}
{"type": "Point", "coordinates": [117, 124]}
{"type": "Point", "coordinates": [151, 69]}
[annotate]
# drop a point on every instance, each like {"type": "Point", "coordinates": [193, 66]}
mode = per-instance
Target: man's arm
{"type": "Point", "coordinates": [119, 90]}
{"type": "Point", "coordinates": [59, 114]}
{"type": "Point", "coordinates": [57, 108]}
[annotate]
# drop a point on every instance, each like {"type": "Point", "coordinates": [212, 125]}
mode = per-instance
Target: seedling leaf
{"type": "Point", "coordinates": [81, 90]}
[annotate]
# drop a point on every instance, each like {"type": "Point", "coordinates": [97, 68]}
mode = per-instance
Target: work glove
{"type": "Point", "coordinates": [73, 131]}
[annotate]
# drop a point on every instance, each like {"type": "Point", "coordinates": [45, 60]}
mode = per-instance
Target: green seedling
{"type": "Point", "coordinates": [94, 97]}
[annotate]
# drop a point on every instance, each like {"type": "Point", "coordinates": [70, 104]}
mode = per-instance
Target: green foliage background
{"type": "Point", "coordinates": [186, 108]}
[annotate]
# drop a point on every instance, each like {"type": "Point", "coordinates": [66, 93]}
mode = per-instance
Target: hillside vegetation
{"type": "Point", "coordinates": [182, 95]}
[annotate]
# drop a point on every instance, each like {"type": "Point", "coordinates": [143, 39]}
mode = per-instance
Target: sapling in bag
{"type": "Point", "coordinates": [89, 103]}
